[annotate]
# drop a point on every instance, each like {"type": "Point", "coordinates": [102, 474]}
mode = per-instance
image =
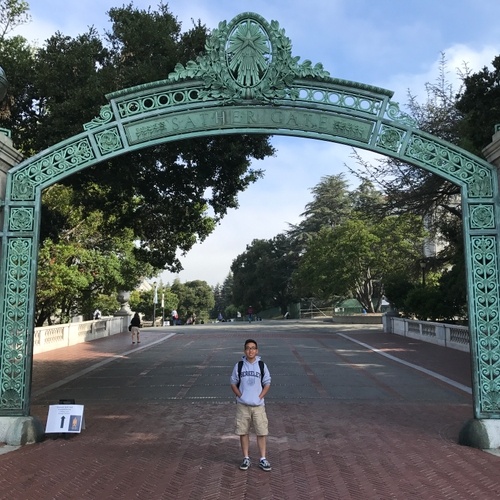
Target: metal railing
{"type": "Point", "coordinates": [313, 312]}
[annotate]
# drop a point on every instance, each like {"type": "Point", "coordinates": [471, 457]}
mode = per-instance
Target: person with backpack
{"type": "Point", "coordinates": [250, 382]}
{"type": "Point", "coordinates": [135, 327]}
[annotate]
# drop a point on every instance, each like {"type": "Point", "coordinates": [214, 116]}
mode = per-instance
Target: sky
{"type": "Point", "coordinates": [393, 44]}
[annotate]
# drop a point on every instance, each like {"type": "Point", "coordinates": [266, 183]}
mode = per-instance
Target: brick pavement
{"type": "Point", "coordinates": [400, 446]}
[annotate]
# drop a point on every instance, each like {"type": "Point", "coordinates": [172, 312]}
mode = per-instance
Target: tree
{"type": "Point", "coordinates": [142, 302]}
{"type": "Point", "coordinates": [81, 266]}
{"type": "Point", "coordinates": [74, 280]}
{"type": "Point", "coordinates": [195, 297]}
{"type": "Point", "coordinates": [170, 195]}
{"type": "Point", "coordinates": [330, 207]}
{"type": "Point", "coordinates": [366, 200]}
{"type": "Point", "coordinates": [203, 174]}
{"type": "Point", "coordinates": [223, 299]}
{"type": "Point", "coordinates": [479, 103]}
{"type": "Point", "coordinates": [354, 258]}
{"type": "Point", "coordinates": [13, 13]}
{"type": "Point", "coordinates": [424, 304]}
{"type": "Point", "coordinates": [262, 275]}
{"type": "Point", "coordinates": [411, 190]}
{"type": "Point", "coordinates": [226, 295]}
{"type": "Point", "coordinates": [165, 198]}
{"type": "Point", "coordinates": [218, 302]}
{"type": "Point", "coordinates": [17, 62]}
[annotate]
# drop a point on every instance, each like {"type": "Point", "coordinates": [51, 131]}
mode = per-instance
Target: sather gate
{"type": "Point", "coordinates": [248, 82]}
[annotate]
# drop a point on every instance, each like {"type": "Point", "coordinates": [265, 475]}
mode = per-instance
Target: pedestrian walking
{"type": "Point", "coordinates": [135, 326]}
{"type": "Point", "coordinates": [174, 317]}
{"type": "Point", "coordinates": [250, 382]}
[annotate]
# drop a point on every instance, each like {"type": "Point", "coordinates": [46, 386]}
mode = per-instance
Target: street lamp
{"type": "Point", "coordinates": [162, 309]}
{"type": "Point", "coordinates": [155, 301]}
{"type": "Point", "coordinates": [423, 265]}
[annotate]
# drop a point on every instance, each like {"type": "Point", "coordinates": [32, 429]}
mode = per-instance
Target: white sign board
{"type": "Point", "coordinates": [65, 418]}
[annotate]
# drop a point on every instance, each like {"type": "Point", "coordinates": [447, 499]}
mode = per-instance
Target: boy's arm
{"type": "Point", "coordinates": [236, 390]}
{"type": "Point", "coordinates": [264, 391]}
{"type": "Point", "coordinates": [234, 381]}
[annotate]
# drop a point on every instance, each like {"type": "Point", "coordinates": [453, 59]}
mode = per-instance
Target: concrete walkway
{"type": "Point", "coordinates": [354, 414]}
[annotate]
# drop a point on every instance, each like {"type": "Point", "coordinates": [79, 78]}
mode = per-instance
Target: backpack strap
{"type": "Point", "coordinates": [261, 364]}
{"type": "Point", "coordinates": [240, 366]}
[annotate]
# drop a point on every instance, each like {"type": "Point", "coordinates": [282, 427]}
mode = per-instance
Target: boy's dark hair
{"type": "Point", "coordinates": [250, 341]}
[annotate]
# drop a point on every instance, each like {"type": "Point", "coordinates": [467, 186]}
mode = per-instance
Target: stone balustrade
{"type": "Point", "coordinates": [51, 337]}
{"type": "Point", "coordinates": [453, 336]}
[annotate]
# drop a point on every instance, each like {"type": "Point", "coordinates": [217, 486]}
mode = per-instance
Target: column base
{"type": "Point", "coordinates": [481, 433]}
{"type": "Point", "coordinates": [18, 431]}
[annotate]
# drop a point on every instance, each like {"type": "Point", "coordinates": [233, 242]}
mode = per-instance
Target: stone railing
{"type": "Point", "coordinates": [51, 337]}
{"type": "Point", "coordinates": [456, 337]}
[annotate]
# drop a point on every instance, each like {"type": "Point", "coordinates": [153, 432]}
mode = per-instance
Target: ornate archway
{"type": "Point", "coordinates": [249, 82]}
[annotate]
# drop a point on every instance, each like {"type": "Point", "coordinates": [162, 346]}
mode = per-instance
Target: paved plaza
{"type": "Point", "coordinates": [354, 414]}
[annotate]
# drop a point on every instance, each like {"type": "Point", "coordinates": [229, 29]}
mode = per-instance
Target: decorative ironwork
{"type": "Point", "coordinates": [248, 59]}
{"type": "Point", "coordinates": [15, 329]}
{"type": "Point", "coordinates": [248, 53]}
{"type": "Point", "coordinates": [486, 292]}
{"type": "Point", "coordinates": [248, 81]}
{"type": "Point", "coordinates": [482, 216]}
{"type": "Point", "coordinates": [62, 159]}
{"type": "Point", "coordinates": [109, 141]}
{"type": "Point", "coordinates": [6, 131]}
{"type": "Point", "coordinates": [390, 138]}
{"type": "Point", "coordinates": [358, 102]}
{"type": "Point", "coordinates": [395, 114]}
{"type": "Point", "coordinates": [162, 100]}
{"type": "Point", "coordinates": [21, 219]}
{"type": "Point", "coordinates": [105, 116]}
{"type": "Point", "coordinates": [446, 159]}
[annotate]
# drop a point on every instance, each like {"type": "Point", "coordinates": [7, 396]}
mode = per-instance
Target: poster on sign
{"type": "Point", "coordinates": [65, 418]}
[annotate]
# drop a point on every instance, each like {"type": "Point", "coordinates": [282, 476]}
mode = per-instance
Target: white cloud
{"type": "Point", "coordinates": [456, 57]}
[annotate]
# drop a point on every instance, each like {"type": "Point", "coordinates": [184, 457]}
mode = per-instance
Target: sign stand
{"type": "Point", "coordinates": [65, 418]}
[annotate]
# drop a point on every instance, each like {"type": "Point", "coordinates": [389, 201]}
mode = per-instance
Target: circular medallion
{"type": "Point", "coordinates": [248, 52]}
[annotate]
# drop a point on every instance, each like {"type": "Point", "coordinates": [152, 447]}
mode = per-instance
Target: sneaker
{"type": "Point", "coordinates": [245, 464]}
{"type": "Point", "coordinates": [265, 465]}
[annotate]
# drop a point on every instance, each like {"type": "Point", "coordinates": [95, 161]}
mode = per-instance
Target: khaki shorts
{"type": "Point", "coordinates": [248, 415]}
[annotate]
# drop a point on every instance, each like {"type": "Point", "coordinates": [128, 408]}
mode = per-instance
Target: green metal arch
{"type": "Point", "coordinates": [249, 83]}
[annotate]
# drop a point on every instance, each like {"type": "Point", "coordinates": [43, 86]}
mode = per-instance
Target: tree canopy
{"type": "Point", "coordinates": [262, 275]}
{"type": "Point", "coordinates": [170, 195]}
{"type": "Point", "coordinates": [195, 298]}
{"type": "Point", "coordinates": [355, 258]}
{"type": "Point", "coordinates": [479, 104]}
{"type": "Point", "coordinates": [157, 202]}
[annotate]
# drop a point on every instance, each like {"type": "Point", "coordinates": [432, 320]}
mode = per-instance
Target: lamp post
{"type": "Point", "coordinates": [423, 265]}
{"type": "Point", "coordinates": [155, 301]}
{"type": "Point", "coordinates": [162, 309]}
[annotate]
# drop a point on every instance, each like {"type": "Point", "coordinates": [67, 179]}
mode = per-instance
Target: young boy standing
{"type": "Point", "coordinates": [250, 384]}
